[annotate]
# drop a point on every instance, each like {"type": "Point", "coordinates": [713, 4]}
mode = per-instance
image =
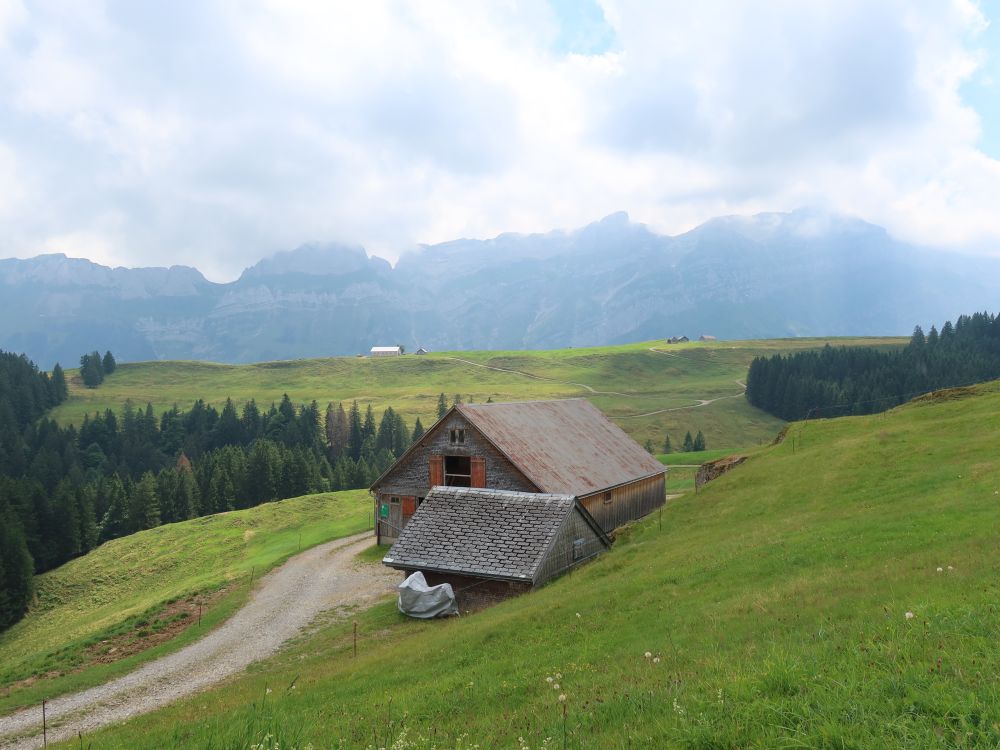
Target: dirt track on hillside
{"type": "Point", "coordinates": [284, 603]}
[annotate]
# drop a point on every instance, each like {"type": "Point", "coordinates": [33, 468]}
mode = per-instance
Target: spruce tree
{"type": "Point", "coordinates": [400, 436]}
{"type": "Point", "coordinates": [418, 431]}
{"type": "Point", "coordinates": [144, 505]}
{"type": "Point", "coordinates": [65, 532]}
{"type": "Point", "coordinates": [667, 448]}
{"type": "Point", "coordinates": [91, 370]}
{"type": "Point", "coordinates": [108, 363]}
{"type": "Point", "coordinates": [251, 422]}
{"type": "Point", "coordinates": [86, 496]}
{"type": "Point", "coordinates": [688, 442]}
{"type": "Point", "coordinates": [354, 435]}
{"type": "Point", "coordinates": [16, 570]}
{"type": "Point", "coordinates": [228, 430]}
{"type": "Point", "coordinates": [59, 389]}
{"type": "Point", "coordinates": [442, 406]}
{"type": "Point", "coordinates": [385, 438]}
{"type": "Point", "coordinates": [115, 522]}
{"type": "Point", "coordinates": [337, 430]}
{"type": "Point", "coordinates": [368, 429]}
{"type": "Point", "coordinates": [699, 442]}
{"type": "Point", "coordinates": [648, 445]}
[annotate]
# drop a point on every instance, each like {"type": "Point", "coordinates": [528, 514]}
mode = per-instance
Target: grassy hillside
{"type": "Point", "coordinates": [130, 590]}
{"type": "Point", "coordinates": [839, 590]}
{"type": "Point", "coordinates": [624, 381]}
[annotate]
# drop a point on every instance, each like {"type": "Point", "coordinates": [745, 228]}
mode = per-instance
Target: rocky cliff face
{"type": "Point", "coordinates": [797, 274]}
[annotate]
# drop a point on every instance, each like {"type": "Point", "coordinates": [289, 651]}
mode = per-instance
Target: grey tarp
{"type": "Point", "coordinates": [417, 599]}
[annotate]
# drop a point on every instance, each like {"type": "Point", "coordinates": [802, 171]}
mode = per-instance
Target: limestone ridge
{"type": "Point", "coordinates": [779, 274]}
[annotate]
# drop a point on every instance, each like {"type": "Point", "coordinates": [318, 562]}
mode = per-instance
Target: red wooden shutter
{"type": "Point", "coordinates": [409, 506]}
{"type": "Point", "coordinates": [478, 471]}
{"type": "Point", "coordinates": [436, 467]}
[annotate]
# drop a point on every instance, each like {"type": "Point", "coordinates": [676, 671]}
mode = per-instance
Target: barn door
{"type": "Point", "coordinates": [409, 507]}
{"type": "Point", "coordinates": [478, 466]}
{"type": "Point", "coordinates": [435, 466]}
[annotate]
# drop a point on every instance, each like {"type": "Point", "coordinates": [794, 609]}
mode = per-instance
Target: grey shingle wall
{"type": "Point", "coordinates": [410, 475]}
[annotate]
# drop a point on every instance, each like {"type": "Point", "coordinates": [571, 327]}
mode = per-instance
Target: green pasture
{"type": "Point", "coordinates": [650, 388]}
{"type": "Point", "coordinates": [123, 584]}
{"type": "Point", "coordinates": [838, 590]}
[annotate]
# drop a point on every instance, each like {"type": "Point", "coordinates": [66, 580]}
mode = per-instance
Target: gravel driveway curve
{"type": "Point", "coordinates": [284, 602]}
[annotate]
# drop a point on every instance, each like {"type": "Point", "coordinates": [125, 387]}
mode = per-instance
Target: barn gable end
{"type": "Point", "coordinates": [564, 447]}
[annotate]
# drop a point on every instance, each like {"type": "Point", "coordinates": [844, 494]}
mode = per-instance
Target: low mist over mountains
{"type": "Point", "coordinates": [770, 275]}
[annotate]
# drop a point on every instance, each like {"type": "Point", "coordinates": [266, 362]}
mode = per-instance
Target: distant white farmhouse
{"type": "Point", "coordinates": [386, 351]}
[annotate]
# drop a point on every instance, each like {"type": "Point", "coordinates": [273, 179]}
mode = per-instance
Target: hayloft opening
{"type": "Point", "coordinates": [457, 471]}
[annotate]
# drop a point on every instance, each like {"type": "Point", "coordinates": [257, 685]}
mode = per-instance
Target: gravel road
{"type": "Point", "coordinates": [284, 602]}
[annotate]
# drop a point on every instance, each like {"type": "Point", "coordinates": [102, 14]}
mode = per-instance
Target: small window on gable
{"type": "Point", "coordinates": [458, 436]}
{"type": "Point", "coordinates": [578, 548]}
{"type": "Point", "coordinates": [394, 500]}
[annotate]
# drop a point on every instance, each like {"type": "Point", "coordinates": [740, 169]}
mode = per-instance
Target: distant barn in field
{"type": "Point", "coordinates": [706, 337]}
{"type": "Point", "coordinates": [386, 351]}
{"type": "Point", "coordinates": [678, 340]}
{"type": "Point", "coordinates": [563, 447]}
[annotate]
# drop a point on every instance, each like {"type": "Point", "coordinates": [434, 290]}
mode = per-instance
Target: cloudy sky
{"type": "Point", "coordinates": [214, 132]}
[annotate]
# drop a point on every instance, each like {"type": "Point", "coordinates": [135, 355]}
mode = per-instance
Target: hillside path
{"type": "Point", "coordinates": [590, 389]}
{"type": "Point", "coordinates": [284, 603]}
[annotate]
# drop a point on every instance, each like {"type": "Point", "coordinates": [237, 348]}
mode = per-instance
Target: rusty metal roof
{"type": "Point", "coordinates": [565, 446]}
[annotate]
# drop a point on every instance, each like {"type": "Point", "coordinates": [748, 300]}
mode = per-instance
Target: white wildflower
{"type": "Point", "coordinates": [648, 654]}
{"type": "Point", "coordinates": [950, 568]}
{"type": "Point", "coordinates": [555, 685]}
{"type": "Point", "coordinates": [577, 614]}
{"type": "Point", "coordinates": [558, 675]}
{"type": "Point", "coordinates": [940, 569]}
{"type": "Point", "coordinates": [562, 697]}
{"type": "Point", "coordinates": [548, 679]}
{"type": "Point", "coordinates": [656, 660]}
{"type": "Point", "coordinates": [909, 615]}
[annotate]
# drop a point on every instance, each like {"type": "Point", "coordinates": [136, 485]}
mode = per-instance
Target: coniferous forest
{"type": "Point", "coordinates": [839, 381]}
{"type": "Point", "coordinates": [64, 490]}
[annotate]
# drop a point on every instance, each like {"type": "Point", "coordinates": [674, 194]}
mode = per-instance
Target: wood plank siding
{"type": "Point", "coordinates": [616, 506]}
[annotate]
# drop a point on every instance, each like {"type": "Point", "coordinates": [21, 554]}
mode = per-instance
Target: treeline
{"type": "Point", "coordinates": [864, 380]}
{"type": "Point", "coordinates": [65, 490]}
{"type": "Point", "coordinates": [689, 445]}
{"type": "Point", "coordinates": [25, 394]}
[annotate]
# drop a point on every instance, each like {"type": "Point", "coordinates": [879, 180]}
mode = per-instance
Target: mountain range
{"type": "Point", "coordinates": [803, 273]}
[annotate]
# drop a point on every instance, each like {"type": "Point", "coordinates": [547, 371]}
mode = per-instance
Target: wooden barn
{"type": "Point", "coordinates": [565, 447]}
{"type": "Point", "coordinates": [492, 544]}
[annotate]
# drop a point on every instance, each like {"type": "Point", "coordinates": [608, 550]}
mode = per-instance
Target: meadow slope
{"type": "Point", "coordinates": [838, 591]}
{"type": "Point", "coordinates": [664, 382]}
{"type": "Point", "coordinates": [120, 597]}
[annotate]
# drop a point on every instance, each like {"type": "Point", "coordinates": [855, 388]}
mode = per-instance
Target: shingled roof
{"type": "Point", "coordinates": [565, 446]}
{"type": "Point", "coordinates": [484, 533]}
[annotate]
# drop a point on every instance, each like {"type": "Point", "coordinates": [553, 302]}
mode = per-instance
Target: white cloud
{"type": "Point", "coordinates": [215, 133]}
